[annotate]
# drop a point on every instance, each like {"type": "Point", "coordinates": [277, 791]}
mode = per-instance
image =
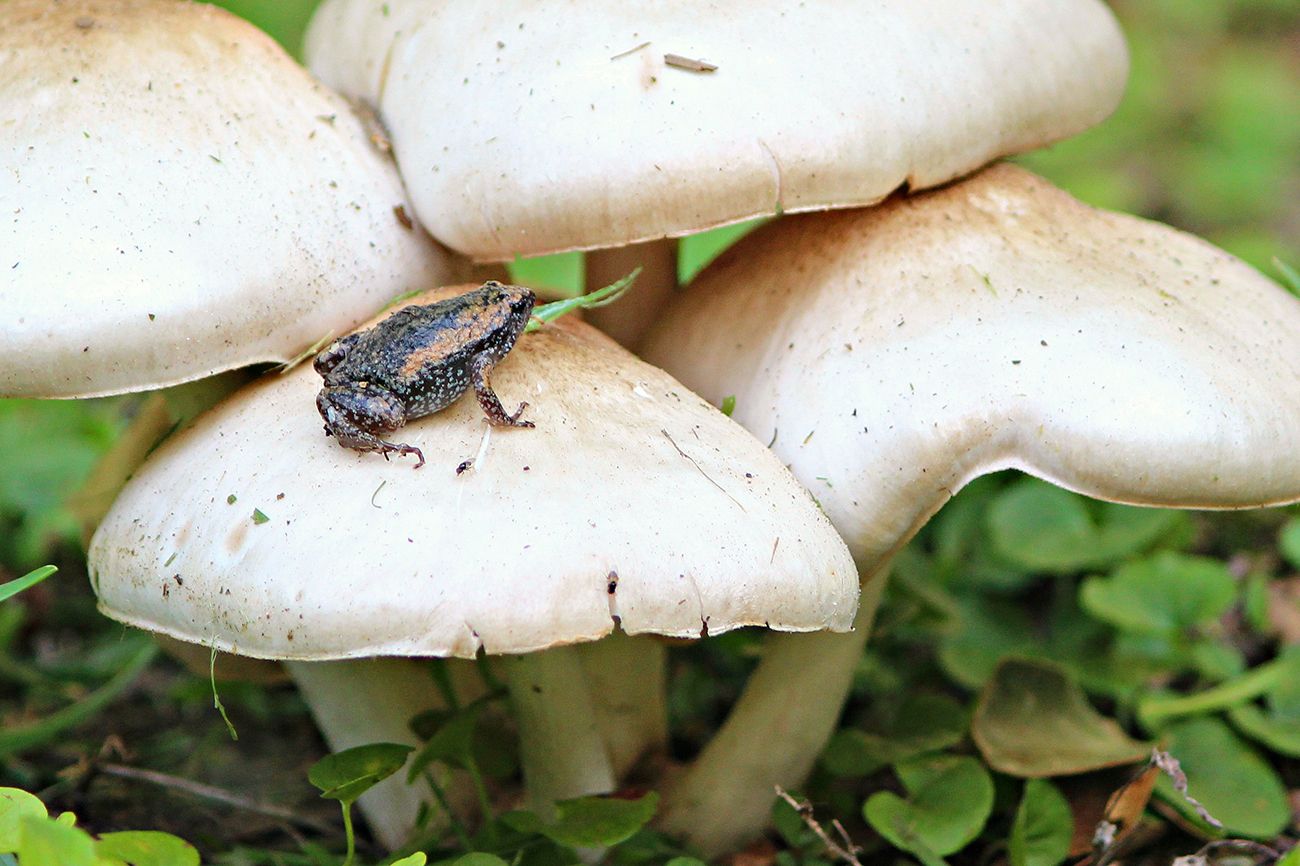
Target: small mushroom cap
{"type": "Point", "coordinates": [525, 127]}
{"type": "Point", "coordinates": [180, 198]}
{"type": "Point", "coordinates": [632, 499]}
{"type": "Point", "coordinates": [899, 352]}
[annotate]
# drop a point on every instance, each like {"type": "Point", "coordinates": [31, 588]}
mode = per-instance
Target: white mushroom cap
{"type": "Point", "coordinates": [180, 198]}
{"type": "Point", "coordinates": [526, 127]}
{"type": "Point", "coordinates": [632, 498]}
{"type": "Point", "coordinates": [896, 353]}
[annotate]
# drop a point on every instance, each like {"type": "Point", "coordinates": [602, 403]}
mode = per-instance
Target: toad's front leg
{"type": "Point", "coordinates": [487, 398]}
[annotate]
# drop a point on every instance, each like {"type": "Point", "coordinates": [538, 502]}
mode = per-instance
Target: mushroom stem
{"type": "Point", "coordinates": [560, 744]}
{"type": "Point", "coordinates": [627, 681]}
{"type": "Point", "coordinates": [362, 701]}
{"type": "Point", "coordinates": [773, 735]}
{"type": "Point", "coordinates": [628, 319]}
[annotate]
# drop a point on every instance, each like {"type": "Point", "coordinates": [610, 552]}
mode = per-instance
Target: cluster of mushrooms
{"type": "Point", "coordinates": [183, 199]}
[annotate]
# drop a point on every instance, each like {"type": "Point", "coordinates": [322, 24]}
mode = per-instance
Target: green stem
{"type": "Point", "coordinates": [453, 820]}
{"type": "Point", "coordinates": [480, 789]}
{"type": "Point", "coordinates": [1154, 711]}
{"type": "Point", "coordinates": [442, 679]}
{"type": "Point", "coordinates": [42, 731]}
{"type": "Point", "coordinates": [347, 829]}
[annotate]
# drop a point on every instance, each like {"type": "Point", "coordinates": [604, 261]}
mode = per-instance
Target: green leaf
{"type": "Point", "coordinates": [283, 20]}
{"type": "Point", "coordinates": [348, 774]}
{"type": "Point", "coordinates": [42, 471]}
{"type": "Point", "coordinates": [729, 405]}
{"type": "Point", "coordinates": [1045, 528]}
{"type": "Point", "coordinates": [10, 589]}
{"type": "Point", "coordinates": [562, 272]}
{"type": "Point", "coordinates": [1288, 542]}
{"type": "Point", "coordinates": [964, 556]}
{"type": "Point", "coordinates": [1290, 858]}
{"type": "Point", "coordinates": [147, 848]}
{"type": "Point", "coordinates": [697, 250]}
{"type": "Point", "coordinates": [1033, 720]}
{"type": "Point", "coordinates": [1290, 276]}
{"type": "Point", "coordinates": [597, 822]}
{"type": "Point", "coordinates": [1280, 735]}
{"type": "Point", "coordinates": [987, 631]}
{"type": "Point", "coordinates": [452, 743]}
{"type": "Point", "coordinates": [1228, 777]}
{"type": "Point", "coordinates": [419, 858]}
{"type": "Point", "coordinates": [15, 805]}
{"type": "Point", "coordinates": [49, 843]}
{"type": "Point", "coordinates": [949, 800]}
{"type": "Point", "coordinates": [478, 858]}
{"type": "Point", "coordinates": [1043, 827]}
{"type": "Point", "coordinates": [923, 723]}
{"type": "Point", "coordinates": [588, 822]}
{"type": "Point", "coordinates": [1164, 593]}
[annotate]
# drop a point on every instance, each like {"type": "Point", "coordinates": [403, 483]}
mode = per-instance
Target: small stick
{"type": "Point", "coordinates": [218, 795]}
{"type": "Point", "coordinates": [848, 852]}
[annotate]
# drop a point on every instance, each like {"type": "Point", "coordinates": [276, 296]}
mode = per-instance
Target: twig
{"type": "Point", "coordinates": [1169, 764]}
{"type": "Point", "coordinates": [217, 795]}
{"type": "Point", "coordinates": [631, 50]}
{"type": "Point", "coordinates": [690, 64]}
{"type": "Point", "coordinates": [848, 852]}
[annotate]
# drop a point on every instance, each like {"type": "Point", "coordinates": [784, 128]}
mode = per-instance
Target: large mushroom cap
{"type": "Point", "coordinates": [180, 198]}
{"type": "Point", "coordinates": [525, 127]}
{"type": "Point", "coordinates": [632, 499]}
{"type": "Point", "coordinates": [896, 353]}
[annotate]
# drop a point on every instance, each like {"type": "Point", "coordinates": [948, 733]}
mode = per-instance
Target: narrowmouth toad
{"type": "Point", "coordinates": [417, 361]}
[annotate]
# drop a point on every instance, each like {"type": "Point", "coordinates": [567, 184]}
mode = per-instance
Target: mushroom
{"type": "Point", "coordinates": [893, 354]}
{"type": "Point", "coordinates": [633, 504]}
{"type": "Point", "coordinates": [520, 134]}
{"type": "Point", "coordinates": [181, 198]}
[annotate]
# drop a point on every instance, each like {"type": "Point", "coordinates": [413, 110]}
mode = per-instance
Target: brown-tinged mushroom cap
{"type": "Point", "coordinates": [998, 323]}
{"type": "Point", "coordinates": [525, 127]}
{"type": "Point", "coordinates": [633, 499]}
{"type": "Point", "coordinates": [893, 354]}
{"type": "Point", "coordinates": [180, 198]}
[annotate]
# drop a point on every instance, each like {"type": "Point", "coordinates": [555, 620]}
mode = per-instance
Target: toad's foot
{"type": "Point", "coordinates": [487, 398]}
{"type": "Point", "coordinates": [351, 436]}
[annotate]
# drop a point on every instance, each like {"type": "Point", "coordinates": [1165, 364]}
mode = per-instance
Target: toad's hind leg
{"type": "Point", "coordinates": [487, 398]}
{"type": "Point", "coordinates": [351, 436]}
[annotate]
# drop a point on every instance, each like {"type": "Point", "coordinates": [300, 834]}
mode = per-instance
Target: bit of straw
{"type": "Point", "coordinates": [690, 64]}
{"type": "Point", "coordinates": [309, 352]}
{"type": "Point", "coordinates": [599, 298]}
